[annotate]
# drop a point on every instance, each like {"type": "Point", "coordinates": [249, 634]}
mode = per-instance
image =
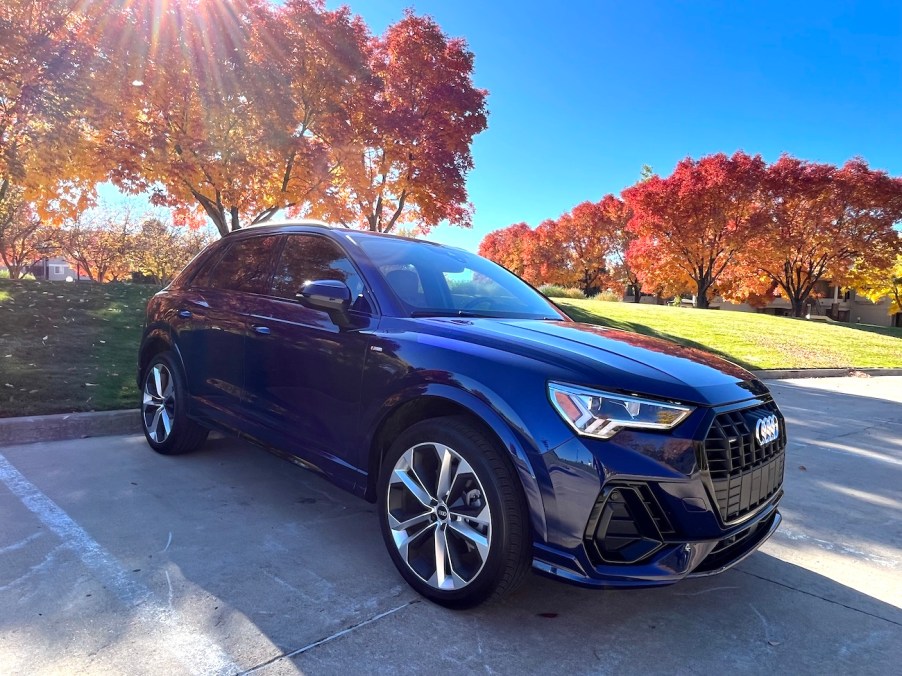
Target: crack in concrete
{"type": "Point", "coordinates": [327, 639]}
{"type": "Point", "coordinates": [822, 598]}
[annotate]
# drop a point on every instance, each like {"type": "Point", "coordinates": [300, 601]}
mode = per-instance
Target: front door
{"type": "Point", "coordinates": [302, 372]}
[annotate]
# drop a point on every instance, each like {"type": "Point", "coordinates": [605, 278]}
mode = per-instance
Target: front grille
{"type": "Point", "coordinates": [745, 474]}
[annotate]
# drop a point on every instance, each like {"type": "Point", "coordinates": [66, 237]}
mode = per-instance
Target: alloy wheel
{"type": "Point", "coordinates": [439, 518]}
{"type": "Point", "coordinates": [158, 403]}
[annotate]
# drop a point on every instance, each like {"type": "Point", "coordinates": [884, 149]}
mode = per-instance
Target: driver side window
{"type": "Point", "coordinates": [307, 258]}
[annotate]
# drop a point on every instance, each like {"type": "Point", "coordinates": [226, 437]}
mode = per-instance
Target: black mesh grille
{"type": "Point", "coordinates": [627, 525]}
{"type": "Point", "coordinates": [744, 473]}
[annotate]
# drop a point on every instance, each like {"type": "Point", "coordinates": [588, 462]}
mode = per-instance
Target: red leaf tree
{"type": "Point", "coordinates": [414, 120]}
{"type": "Point", "coordinates": [621, 273]}
{"type": "Point", "coordinates": [691, 225]}
{"type": "Point", "coordinates": [822, 222]}
{"type": "Point", "coordinates": [514, 248]}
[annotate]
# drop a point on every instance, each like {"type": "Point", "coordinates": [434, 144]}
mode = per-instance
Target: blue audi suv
{"type": "Point", "coordinates": [496, 435]}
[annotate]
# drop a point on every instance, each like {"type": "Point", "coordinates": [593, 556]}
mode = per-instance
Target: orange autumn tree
{"type": "Point", "coordinates": [409, 154]}
{"type": "Point", "coordinates": [880, 281]}
{"type": "Point", "coordinates": [236, 111]}
{"type": "Point", "coordinates": [514, 248]}
{"type": "Point", "coordinates": [48, 63]}
{"type": "Point", "coordinates": [230, 110]}
{"type": "Point", "coordinates": [24, 239]}
{"type": "Point", "coordinates": [615, 216]}
{"type": "Point", "coordinates": [822, 222]}
{"type": "Point", "coordinates": [101, 244]}
{"type": "Point", "coordinates": [691, 225]}
{"type": "Point", "coordinates": [576, 247]}
{"type": "Point", "coordinates": [576, 250]}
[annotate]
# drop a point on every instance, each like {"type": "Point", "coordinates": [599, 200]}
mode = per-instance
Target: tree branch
{"type": "Point", "coordinates": [397, 214]}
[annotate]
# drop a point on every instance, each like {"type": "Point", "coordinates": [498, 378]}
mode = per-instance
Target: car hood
{"type": "Point", "coordinates": [610, 358]}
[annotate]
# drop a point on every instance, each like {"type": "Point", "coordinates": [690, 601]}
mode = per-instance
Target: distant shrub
{"type": "Point", "coordinates": [555, 291]}
{"type": "Point", "coordinates": [609, 296]}
{"type": "Point", "coordinates": [4, 274]}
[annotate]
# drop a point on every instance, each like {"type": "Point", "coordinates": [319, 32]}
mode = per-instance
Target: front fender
{"type": "Point", "coordinates": [504, 423]}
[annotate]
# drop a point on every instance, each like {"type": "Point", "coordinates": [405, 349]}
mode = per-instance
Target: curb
{"type": "Point", "coordinates": [779, 374]}
{"type": "Point", "coordinates": [68, 426]}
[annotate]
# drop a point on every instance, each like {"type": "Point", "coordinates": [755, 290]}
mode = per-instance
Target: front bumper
{"type": "Point", "coordinates": [670, 563]}
{"type": "Point", "coordinates": [648, 509]}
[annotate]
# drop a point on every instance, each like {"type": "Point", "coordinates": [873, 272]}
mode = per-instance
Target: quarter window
{"type": "Point", "coordinates": [245, 266]}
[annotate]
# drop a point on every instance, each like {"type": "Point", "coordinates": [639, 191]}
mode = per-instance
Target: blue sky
{"type": "Point", "coordinates": [582, 94]}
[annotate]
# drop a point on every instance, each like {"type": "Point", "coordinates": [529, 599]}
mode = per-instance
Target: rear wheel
{"type": "Point", "coordinates": [453, 514]}
{"type": "Point", "coordinates": [164, 401]}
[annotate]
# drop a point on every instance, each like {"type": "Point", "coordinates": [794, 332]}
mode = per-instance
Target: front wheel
{"type": "Point", "coordinates": [164, 404]}
{"type": "Point", "coordinates": [453, 514]}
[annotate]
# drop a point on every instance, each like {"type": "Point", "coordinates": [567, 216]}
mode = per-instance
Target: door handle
{"type": "Point", "coordinates": [184, 314]}
{"type": "Point", "coordinates": [262, 330]}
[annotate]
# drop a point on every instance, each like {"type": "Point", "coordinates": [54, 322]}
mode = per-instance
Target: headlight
{"type": "Point", "coordinates": [602, 414]}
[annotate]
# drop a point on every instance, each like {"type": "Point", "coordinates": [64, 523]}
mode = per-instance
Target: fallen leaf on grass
{"type": "Point", "coordinates": [90, 384]}
{"type": "Point", "coordinates": [8, 385]}
{"type": "Point", "coordinates": [33, 391]}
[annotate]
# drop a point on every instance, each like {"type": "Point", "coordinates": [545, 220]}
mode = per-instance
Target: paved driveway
{"type": "Point", "coordinates": [114, 559]}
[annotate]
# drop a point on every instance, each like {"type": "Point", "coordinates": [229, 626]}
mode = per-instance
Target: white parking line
{"type": "Point", "coordinates": [21, 543]}
{"type": "Point", "coordinates": [195, 651]}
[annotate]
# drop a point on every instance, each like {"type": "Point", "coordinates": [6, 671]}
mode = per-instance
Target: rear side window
{"type": "Point", "coordinates": [308, 258]}
{"type": "Point", "coordinates": [245, 266]}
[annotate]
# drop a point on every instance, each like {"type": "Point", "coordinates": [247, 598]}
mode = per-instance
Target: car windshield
{"type": "Point", "coordinates": [436, 281]}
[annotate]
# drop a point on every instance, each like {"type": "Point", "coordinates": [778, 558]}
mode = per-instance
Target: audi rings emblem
{"type": "Point", "coordinates": [767, 430]}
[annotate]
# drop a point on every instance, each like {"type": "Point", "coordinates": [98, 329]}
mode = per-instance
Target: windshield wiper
{"type": "Point", "coordinates": [447, 313]}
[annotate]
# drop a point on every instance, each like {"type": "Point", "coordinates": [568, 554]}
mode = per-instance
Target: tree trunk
{"type": "Point", "coordinates": [701, 298]}
{"type": "Point", "coordinates": [798, 306]}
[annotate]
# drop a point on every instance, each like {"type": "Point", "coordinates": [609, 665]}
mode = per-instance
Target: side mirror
{"type": "Point", "coordinates": [330, 295]}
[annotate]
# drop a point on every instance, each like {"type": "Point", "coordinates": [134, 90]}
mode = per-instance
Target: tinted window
{"type": "Point", "coordinates": [308, 258]}
{"type": "Point", "coordinates": [245, 266]}
{"type": "Point", "coordinates": [434, 281]}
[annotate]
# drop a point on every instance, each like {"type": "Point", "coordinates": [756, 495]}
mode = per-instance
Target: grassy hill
{"type": "Point", "coordinates": [755, 341]}
{"type": "Point", "coordinates": [68, 347]}
{"type": "Point", "coordinates": [72, 347]}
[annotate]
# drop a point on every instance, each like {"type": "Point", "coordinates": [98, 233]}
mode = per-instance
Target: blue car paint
{"type": "Point", "coordinates": [352, 380]}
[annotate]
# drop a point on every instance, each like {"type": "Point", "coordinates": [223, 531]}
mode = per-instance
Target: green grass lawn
{"type": "Point", "coordinates": [72, 347]}
{"type": "Point", "coordinates": [68, 347]}
{"type": "Point", "coordinates": [755, 341]}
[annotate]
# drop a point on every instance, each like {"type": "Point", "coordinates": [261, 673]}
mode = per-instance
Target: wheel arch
{"type": "Point", "coordinates": [156, 341]}
{"type": "Point", "coordinates": [442, 401]}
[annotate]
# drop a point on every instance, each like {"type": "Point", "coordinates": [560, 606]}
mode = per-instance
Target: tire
{"type": "Point", "coordinates": [473, 514]}
{"type": "Point", "coordinates": [164, 408]}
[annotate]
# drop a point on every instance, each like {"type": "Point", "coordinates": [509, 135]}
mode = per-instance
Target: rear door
{"type": "Point", "coordinates": [211, 325]}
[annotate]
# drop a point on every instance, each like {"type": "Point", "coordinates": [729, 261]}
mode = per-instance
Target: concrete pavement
{"type": "Point", "coordinates": [116, 560]}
